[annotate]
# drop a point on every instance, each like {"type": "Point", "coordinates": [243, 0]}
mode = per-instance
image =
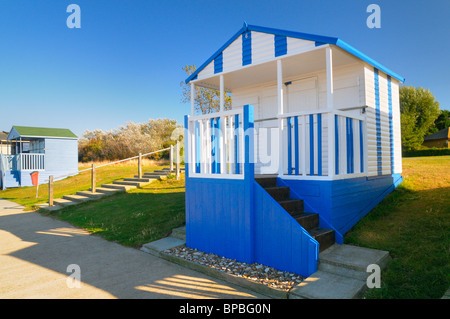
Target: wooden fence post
{"type": "Point", "coordinates": [140, 166]}
{"type": "Point", "coordinates": [171, 158]}
{"type": "Point", "coordinates": [177, 151]}
{"type": "Point", "coordinates": [50, 190]}
{"type": "Point", "coordinates": [93, 179]}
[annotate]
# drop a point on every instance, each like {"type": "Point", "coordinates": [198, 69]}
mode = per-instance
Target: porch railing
{"type": "Point", "coordinates": [31, 161]}
{"type": "Point", "coordinates": [218, 147]}
{"type": "Point", "coordinates": [319, 145]}
{"type": "Point", "coordinates": [322, 145]}
{"type": "Point", "coordinates": [9, 162]}
{"type": "Point", "coordinates": [23, 162]}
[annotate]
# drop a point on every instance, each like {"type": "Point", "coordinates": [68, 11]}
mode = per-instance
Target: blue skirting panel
{"type": "Point", "coordinates": [221, 218]}
{"type": "Point", "coordinates": [218, 217]}
{"type": "Point", "coordinates": [342, 203]}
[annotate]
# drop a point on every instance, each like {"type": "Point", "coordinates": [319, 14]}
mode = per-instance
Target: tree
{"type": "Point", "coordinates": [128, 140]}
{"type": "Point", "coordinates": [419, 109]}
{"type": "Point", "coordinates": [206, 100]}
{"type": "Point", "coordinates": [442, 121]}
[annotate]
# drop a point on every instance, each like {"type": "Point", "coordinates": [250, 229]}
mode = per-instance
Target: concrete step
{"type": "Point", "coordinates": [108, 190]}
{"type": "Point", "coordinates": [152, 175]}
{"type": "Point", "coordinates": [125, 183]}
{"type": "Point", "coordinates": [158, 246]}
{"type": "Point", "coordinates": [64, 202]}
{"type": "Point", "coordinates": [179, 233]}
{"type": "Point", "coordinates": [352, 261]}
{"type": "Point", "coordinates": [118, 187]}
{"type": "Point", "coordinates": [137, 179]}
{"type": "Point", "coordinates": [46, 207]}
{"type": "Point", "coordinates": [91, 194]}
{"type": "Point", "coordinates": [76, 198]}
{"type": "Point", "coordinates": [325, 285]}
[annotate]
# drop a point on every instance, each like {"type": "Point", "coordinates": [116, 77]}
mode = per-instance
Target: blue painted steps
{"type": "Point", "coordinates": [309, 221]}
{"type": "Point", "coordinates": [11, 179]}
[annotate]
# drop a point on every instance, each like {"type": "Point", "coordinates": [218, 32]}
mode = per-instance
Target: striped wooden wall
{"type": "Point", "coordinates": [383, 123]}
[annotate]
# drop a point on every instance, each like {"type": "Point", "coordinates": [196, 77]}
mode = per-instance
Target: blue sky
{"type": "Point", "coordinates": [124, 64]}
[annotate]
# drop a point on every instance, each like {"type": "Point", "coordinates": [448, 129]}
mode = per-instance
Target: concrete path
{"type": "Point", "coordinates": [40, 256]}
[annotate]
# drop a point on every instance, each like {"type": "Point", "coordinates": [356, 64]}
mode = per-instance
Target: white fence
{"type": "Point", "coordinates": [217, 145]}
{"type": "Point", "coordinates": [322, 145]}
{"type": "Point", "coordinates": [23, 162]}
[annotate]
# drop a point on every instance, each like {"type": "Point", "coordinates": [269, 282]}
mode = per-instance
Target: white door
{"type": "Point", "coordinates": [302, 95]}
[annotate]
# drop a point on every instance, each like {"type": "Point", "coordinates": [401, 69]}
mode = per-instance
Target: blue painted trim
{"type": "Point", "coordinates": [218, 63]}
{"type": "Point", "coordinates": [365, 58]}
{"type": "Point", "coordinates": [336, 144]}
{"type": "Point", "coordinates": [318, 44]}
{"type": "Point", "coordinates": [319, 144]}
{"type": "Point", "coordinates": [246, 48]}
{"type": "Point", "coordinates": [319, 40]}
{"type": "Point", "coordinates": [361, 146]}
{"type": "Point", "coordinates": [280, 42]}
{"type": "Point", "coordinates": [391, 130]}
{"type": "Point", "coordinates": [236, 143]}
{"type": "Point", "coordinates": [297, 148]}
{"type": "Point", "coordinates": [211, 58]}
{"type": "Point", "coordinates": [197, 148]}
{"type": "Point", "coordinates": [378, 121]}
{"type": "Point", "coordinates": [249, 176]}
{"type": "Point", "coordinates": [350, 155]}
{"type": "Point", "coordinates": [213, 147]}
{"type": "Point", "coordinates": [311, 145]}
{"type": "Point", "coordinates": [289, 144]}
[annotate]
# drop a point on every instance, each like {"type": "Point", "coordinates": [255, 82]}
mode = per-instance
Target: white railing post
{"type": "Point", "coordinates": [280, 112]}
{"type": "Point", "coordinates": [171, 158]}
{"type": "Point", "coordinates": [177, 152]}
{"type": "Point", "coordinates": [303, 144]}
{"type": "Point", "coordinates": [140, 165]}
{"type": "Point", "coordinates": [330, 88]}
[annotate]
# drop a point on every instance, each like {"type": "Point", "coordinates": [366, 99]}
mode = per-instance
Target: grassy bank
{"type": "Point", "coordinates": [155, 210]}
{"type": "Point", "coordinates": [26, 196]}
{"type": "Point", "coordinates": [413, 224]}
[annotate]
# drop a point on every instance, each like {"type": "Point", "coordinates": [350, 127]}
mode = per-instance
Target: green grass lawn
{"type": "Point", "coordinates": [133, 218]}
{"type": "Point", "coordinates": [413, 224]}
{"type": "Point", "coordinates": [26, 196]}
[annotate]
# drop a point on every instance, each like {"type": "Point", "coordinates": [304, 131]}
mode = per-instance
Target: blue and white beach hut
{"type": "Point", "coordinates": [311, 144]}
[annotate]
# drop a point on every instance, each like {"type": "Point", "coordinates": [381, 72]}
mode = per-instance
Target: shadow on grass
{"type": "Point", "coordinates": [413, 226]}
{"type": "Point", "coordinates": [131, 219]}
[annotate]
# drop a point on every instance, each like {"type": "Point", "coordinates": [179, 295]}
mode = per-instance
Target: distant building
{"type": "Point", "coordinates": [49, 151]}
{"type": "Point", "coordinates": [5, 145]}
{"type": "Point", "coordinates": [439, 139]}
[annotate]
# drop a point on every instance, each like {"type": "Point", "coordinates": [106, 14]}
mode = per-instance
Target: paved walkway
{"type": "Point", "coordinates": [36, 251]}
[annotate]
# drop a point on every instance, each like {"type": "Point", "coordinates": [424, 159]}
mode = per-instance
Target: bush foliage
{"type": "Point", "coordinates": [129, 140]}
